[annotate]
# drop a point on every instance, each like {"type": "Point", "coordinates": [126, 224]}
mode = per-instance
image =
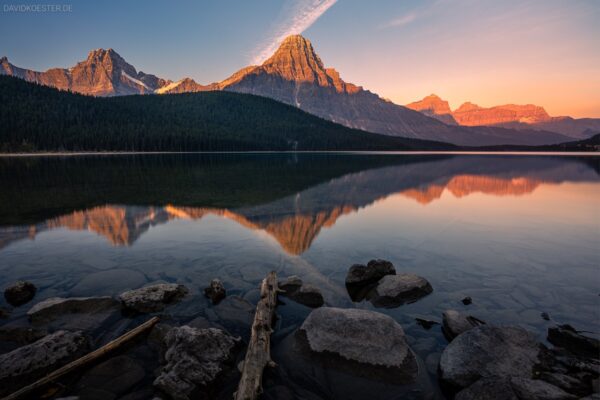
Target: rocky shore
{"type": "Point", "coordinates": [193, 352]}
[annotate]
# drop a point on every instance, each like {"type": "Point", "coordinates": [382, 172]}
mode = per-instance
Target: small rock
{"type": "Point", "coordinates": [426, 323]}
{"type": "Point", "coordinates": [235, 313]}
{"type": "Point", "coordinates": [290, 284]}
{"type": "Point", "coordinates": [19, 293]}
{"type": "Point", "coordinates": [54, 307]}
{"type": "Point", "coordinates": [512, 388]}
{"type": "Point", "coordinates": [361, 336]}
{"type": "Point", "coordinates": [567, 337]}
{"type": "Point", "coordinates": [467, 300]}
{"type": "Point", "coordinates": [195, 358]}
{"type": "Point", "coordinates": [152, 298]}
{"type": "Point", "coordinates": [307, 295]}
{"type": "Point", "coordinates": [486, 351]}
{"type": "Point", "coordinates": [216, 291]}
{"type": "Point", "coordinates": [28, 363]}
{"type": "Point", "coordinates": [116, 375]}
{"type": "Point", "coordinates": [454, 323]}
{"type": "Point", "coordinates": [359, 274]}
{"type": "Point", "coordinates": [395, 290]}
{"type": "Point", "coordinates": [545, 316]}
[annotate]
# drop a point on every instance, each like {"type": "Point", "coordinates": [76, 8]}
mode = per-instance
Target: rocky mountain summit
{"type": "Point", "coordinates": [512, 116]}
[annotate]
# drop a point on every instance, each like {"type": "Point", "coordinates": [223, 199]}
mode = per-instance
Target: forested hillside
{"type": "Point", "coordinates": [38, 118]}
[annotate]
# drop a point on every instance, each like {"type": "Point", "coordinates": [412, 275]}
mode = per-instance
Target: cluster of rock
{"type": "Point", "coordinates": [379, 283]}
{"type": "Point", "coordinates": [509, 363]}
{"type": "Point", "coordinates": [300, 292]}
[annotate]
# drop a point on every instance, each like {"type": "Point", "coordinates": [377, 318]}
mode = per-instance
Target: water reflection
{"type": "Point", "coordinates": [291, 198]}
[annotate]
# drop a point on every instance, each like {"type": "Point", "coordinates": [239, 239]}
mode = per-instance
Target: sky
{"type": "Point", "coordinates": [489, 52]}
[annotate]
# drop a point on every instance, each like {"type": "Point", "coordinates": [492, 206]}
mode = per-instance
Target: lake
{"type": "Point", "coordinates": [519, 234]}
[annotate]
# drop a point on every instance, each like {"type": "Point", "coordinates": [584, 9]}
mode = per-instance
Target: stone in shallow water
{"type": "Point", "coordinates": [19, 293]}
{"type": "Point", "coordinates": [152, 298]}
{"type": "Point", "coordinates": [361, 336]}
{"type": "Point", "coordinates": [215, 291]}
{"type": "Point", "coordinates": [74, 313]}
{"type": "Point", "coordinates": [28, 363]}
{"type": "Point", "coordinates": [290, 284]}
{"type": "Point", "coordinates": [359, 274]}
{"type": "Point", "coordinates": [308, 295]}
{"type": "Point", "coordinates": [567, 337]}
{"type": "Point", "coordinates": [512, 388]}
{"type": "Point", "coordinates": [195, 359]}
{"type": "Point", "coordinates": [395, 290]}
{"type": "Point", "coordinates": [486, 351]}
{"type": "Point", "coordinates": [454, 323]}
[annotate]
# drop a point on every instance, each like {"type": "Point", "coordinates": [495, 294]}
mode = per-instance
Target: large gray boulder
{"type": "Point", "coordinates": [152, 298]}
{"type": "Point", "coordinates": [195, 359]}
{"type": "Point", "coordinates": [359, 274]}
{"type": "Point", "coordinates": [486, 351]}
{"type": "Point", "coordinates": [512, 388]}
{"type": "Point", "coordinates": [19, 293]}
{"type": "Point", "coordinates": [395, 290]}
{"type": "Point", "coordinates": [454, 323]}
{"type": "Point", "coordinates": [28, 363]}
{"type": "Point", "coordinates": [361, 336]}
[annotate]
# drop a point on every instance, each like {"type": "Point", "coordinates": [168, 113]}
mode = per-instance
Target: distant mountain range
{"type": "Point", "coordinates": [511, 116]}
{"type": "Point", "coordinates": [296, 75]}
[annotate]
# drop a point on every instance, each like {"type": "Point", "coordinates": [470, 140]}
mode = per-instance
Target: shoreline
{"type": "Point", "coordinates": [428, 152]}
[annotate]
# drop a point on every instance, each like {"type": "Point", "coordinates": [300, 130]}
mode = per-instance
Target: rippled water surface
{"type": "Point", "coordinates": [518, 234]}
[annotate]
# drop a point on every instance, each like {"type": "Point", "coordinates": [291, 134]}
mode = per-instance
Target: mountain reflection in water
{"type": "Point", "coordinates": [290, 197]}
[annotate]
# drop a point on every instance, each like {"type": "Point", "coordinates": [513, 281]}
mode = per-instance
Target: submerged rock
{"type": "Point", "coordinates": [216, 291]}
{"type": "Point", "coordinates": [28, 363]}
{"type": "Point", "coordinates": [366, 338]}
{"type": "Point", "coordinates": [19, 293]}
{"type": "Point", "coordinates": [359, 274]}
{"type": "Point", "coordinates": [4, 313]}
{"type": "Point", "coordinates": [454, 323]}
{"type": "Point", "coordinates": [467, 300]}
{"type": "Point", "coordinates": [567, 337]}
{"type": "Point", "coordinates": [116, 375]}
{"type": "Point", "coordinates": [195, 359]}
{"type": "Point", "coordinates": [290, 284]}
{"type": "Point", "coordinates": [427, 324]}
{"type": "Point", "coordinates": [308, 295]}
{"type": "Point", "coordinates": [512, 388]}
{"type": "Point", "coordinates": [74, 313]}
{"type": "Point", "coordinates": [486, 351]}
{"type": "Point", "coordinates": [395, 290]}
{"type": "Point", "coordinates": [152, 298]}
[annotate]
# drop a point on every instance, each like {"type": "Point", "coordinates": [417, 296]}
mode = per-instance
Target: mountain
{"type": "Point", "coordinates": [294, 75]}
{"type": "Point", "coordinates": [40, 118]}
{"type": "Point", "coordinates": [433, 106]}
{"type": "Point", "coordinates": [103, 73]}
{"type": "Point", "coordinates": [511, 116]}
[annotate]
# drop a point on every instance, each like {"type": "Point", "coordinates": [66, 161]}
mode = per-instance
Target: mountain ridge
{"type": "Point", "coordinates": [294, 75]}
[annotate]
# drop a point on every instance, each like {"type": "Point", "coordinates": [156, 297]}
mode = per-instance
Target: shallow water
{"type": "Point", "coordinates": [518, 234]}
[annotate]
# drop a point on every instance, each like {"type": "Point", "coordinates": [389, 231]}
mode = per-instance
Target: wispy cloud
{"type": "Point", "coordinates": [401, 21]}
{"type": "Point", "coordinates": [298, 17]}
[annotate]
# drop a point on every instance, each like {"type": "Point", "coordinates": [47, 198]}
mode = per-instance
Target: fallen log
{"type": "Point", "coordinates": [258, 355]}
{"type": "Point", "coordinates": [85, 360]}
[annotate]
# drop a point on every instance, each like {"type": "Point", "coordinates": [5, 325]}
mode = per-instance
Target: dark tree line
{"type": "Point", "coordinates": [39, 118]}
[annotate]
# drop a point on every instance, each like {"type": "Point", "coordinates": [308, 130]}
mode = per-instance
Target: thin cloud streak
{"type": "Point", "coordinates": [403, 20]}
{"type": "Point", "coordinates": [300, 16]}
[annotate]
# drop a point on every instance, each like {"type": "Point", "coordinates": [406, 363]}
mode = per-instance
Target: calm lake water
{"type": "Point", "coordinates": [518, 234]}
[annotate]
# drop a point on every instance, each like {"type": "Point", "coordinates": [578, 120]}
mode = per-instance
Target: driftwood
{"type": "Point", "coordinates": [85, 360]}
{"type": "Point", "coordinates": [258, 355]}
